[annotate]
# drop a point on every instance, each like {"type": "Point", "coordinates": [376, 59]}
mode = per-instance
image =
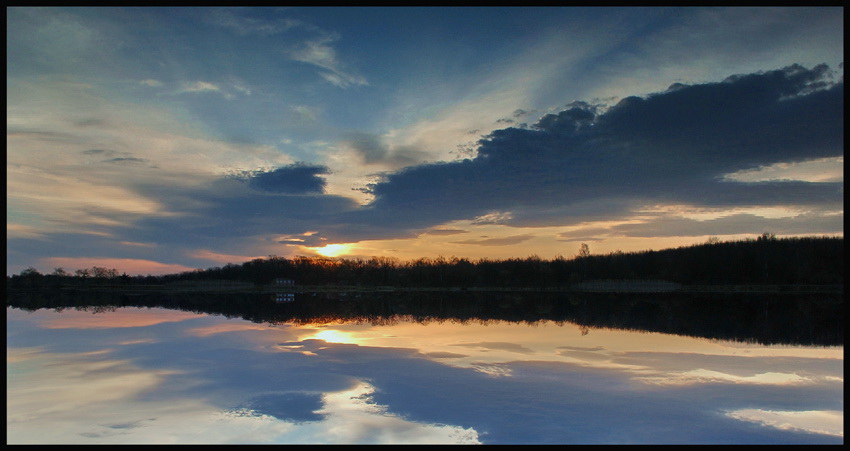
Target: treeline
{"type": "Point", "coordinates": [765, 260]}
{"type": "Point", "coordinates": [763, 318]}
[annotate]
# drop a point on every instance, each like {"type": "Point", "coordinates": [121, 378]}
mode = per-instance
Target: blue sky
{"type": "Point", "coordinates": [163, 139]}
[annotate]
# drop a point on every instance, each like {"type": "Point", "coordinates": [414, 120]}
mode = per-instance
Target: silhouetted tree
{"type": "Point", "coordinates": [763, 260]}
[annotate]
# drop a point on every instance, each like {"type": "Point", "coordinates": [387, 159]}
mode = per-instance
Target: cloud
{"type": "Point", "coordinates": [241, 22]}
{"type": "Point", "coordinates": [445, 355]}
{"type": "Point", "coordinates": [820, 170]}
{"type": "Point", "coordinates": [227, 89]}
{"type": "Point", "coordinates": [318, 52]}
{"type": "Point", "coordinates": [506, 241]}
{"type": "Point", "coordinates": [98, 152]}
{"type": "Point", "coordinates": [807, 223]}
{"type": "Point", "coordinates": [292, 179]}
{"type": "Point", "coordinates": [126, 160]}
{"type": "Point", "coordinates": [441, 231]}
{"type": "Point", "coordinates": [239, 214]}
{"type": "Point", "coordinates": [670, 147]}
{"type": "Point", "coordinates": [200, 86]}
{"type": "Point", "coordinates": [372, 149]}
{"type": "Point", "coordinates": [500, 346]}
{"type": "Point", "coordinates": [829, 422]}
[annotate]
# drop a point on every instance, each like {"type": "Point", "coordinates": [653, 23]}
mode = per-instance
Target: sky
{"type": "Point", "coordinates": [160, 140]}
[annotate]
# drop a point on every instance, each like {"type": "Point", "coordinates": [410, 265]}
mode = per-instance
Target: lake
{"type": "Point", "coordinates": [416, 369]}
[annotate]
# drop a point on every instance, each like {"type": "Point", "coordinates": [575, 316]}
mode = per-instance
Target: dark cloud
{"type": "Point", "coordinates": [128, 425]}
{"type": "Point", "coordinates": [232, 213]}
{"type": "Point", "coordinates": [116, 157]}
{"type": "Point", "coordinates": [292, 179]}
{"type": "Point", "coordinates": [373, 150]}
{"type": "Point", "coordinates": [517, 114]}
{"type": "Point", "coordinates": [671, 147]}
{"type": "Point", "coordinates": [584, 234]}
{"type": "Point", "coordinates": [98, 152]}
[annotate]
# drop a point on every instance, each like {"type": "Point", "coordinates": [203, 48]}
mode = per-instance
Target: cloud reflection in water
{"type": "Point", "coordinates": [205, 379]}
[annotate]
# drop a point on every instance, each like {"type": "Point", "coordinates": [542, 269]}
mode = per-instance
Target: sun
{"type": "Point", "coordinates": [333, 250]}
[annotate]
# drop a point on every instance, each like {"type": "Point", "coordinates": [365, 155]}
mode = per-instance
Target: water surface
{"type": "Point", "coordinates": [155, 375]}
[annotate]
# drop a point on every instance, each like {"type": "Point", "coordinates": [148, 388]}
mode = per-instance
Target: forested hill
{"type": "Point", "coordinates": [763, 261]}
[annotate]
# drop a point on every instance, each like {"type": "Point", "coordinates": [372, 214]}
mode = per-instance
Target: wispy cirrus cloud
{"type": "Point", "coordinates": [243, 22]}
{"type": "Point", "coordinates": [228, 89]}
{"type": "Point", "coordinates": [506, 241]}
{"type": "Point", "coordinates": [320, 53]}
{"type": "Point", "coordinates": [200, 86]}
{"type": "Point", "coordinates": [306, 42]}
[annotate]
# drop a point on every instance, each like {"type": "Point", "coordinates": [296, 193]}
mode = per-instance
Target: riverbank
{"type": "Point", "coordinates": [622, 288]}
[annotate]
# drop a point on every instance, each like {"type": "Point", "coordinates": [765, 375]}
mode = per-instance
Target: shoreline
{"type": "Point", "coordinates": [634, 289]}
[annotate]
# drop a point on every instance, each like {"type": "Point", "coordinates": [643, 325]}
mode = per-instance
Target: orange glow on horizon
{"type": "Point", "coordinates": [333, 250]}
{"type": "Point", "coordinates": [220, 258]}
{"type": "Point", "coordinates": [123, 265]}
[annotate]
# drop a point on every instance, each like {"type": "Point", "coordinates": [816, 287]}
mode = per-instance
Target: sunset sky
{"type": "Point", "coordinates": [158, 140]}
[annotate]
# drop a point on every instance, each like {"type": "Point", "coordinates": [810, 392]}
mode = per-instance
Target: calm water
{"type": "Point", "coordinates": [155, 375]}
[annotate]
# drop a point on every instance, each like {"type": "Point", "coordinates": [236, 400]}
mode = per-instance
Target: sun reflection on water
{"type": "Point", "coordinates": [334, 336]}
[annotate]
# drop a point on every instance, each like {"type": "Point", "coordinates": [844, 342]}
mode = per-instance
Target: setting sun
{"type": "Point", "coordinates": [333, 250]}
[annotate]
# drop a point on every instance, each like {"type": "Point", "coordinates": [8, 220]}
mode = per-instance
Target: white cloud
{"type": "Point", "coordinates": [818, 171]}
{"type": "Point", "coordinates": [829, 422]}
{"type": "Point", "coordinates": [318, 52]}
{"type": "Point", "coordinates": [245, 25]}
{"type": "Point", "coordinates": [66, 145]}
{"type": "Point", "coordinates": [200, 86]}
{"type": "Point", "coordinates": [229, 90]}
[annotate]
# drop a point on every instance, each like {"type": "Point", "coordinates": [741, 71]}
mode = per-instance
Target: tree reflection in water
{"type": "Point", "coordinates": [804, 319]}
